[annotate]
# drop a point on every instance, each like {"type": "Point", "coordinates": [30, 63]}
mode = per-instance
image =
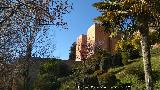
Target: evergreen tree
{"type": "Point", "coordinates": [72, 54]}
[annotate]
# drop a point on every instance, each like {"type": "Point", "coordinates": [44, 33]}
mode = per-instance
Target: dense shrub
{"type": "Point", "coordinates": [88, 82]}
{"type": "Point", "coordinates": [105, 63]}
{"type": "Point", "coordinates": [101, 58]}
{"type": "Point", "coordinates": [107, 80]}
{"type": "Point", "coordinates": [133, 53]}
{"type": "Point", "coordinates": [88, 71]}
{"type": "Point", "coordinates": [47, 82]}
{"type": "Point", "coordinates": [91, 81]}
{"type": "Point", "coordinates": [57, 68]}
{"type": "Point", "coordinates": [68, 85]}
{"type": "Point", "coordinates": [92, 63]}
{"type": "Point", "coordinates": [124, 58]}
{"type": "Point", "coordinates": [63, 69]}
{"type": "Point", "coordinates": [128, 48]}
{"type": "Point", "coordinates": [154, 37]}
{"type": "Point", "coordinates": [72, 54]}
{"type": "Point", "coordinates": [98, 72]}
{"type": "Point", "coordinates": [49, 73]}
{"type": "Point", "coordinates": [117, 60]}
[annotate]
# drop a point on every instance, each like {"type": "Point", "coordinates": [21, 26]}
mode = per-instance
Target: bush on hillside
{"type": "Point", "coordinates": [129, 49]}
{"type": "Point", "coordinates": [88, 81]}
{"type": "Point", "coordinates": [154, 37]}
{"type": "Point", "coordinates": [56, 68]}
{"type": "Point", "coordinates": [117, 60]}
{"type": "Point", "coordinates": [92, 63]}
{"type": "Point", "coordinates": [91, 80]}
{"type": "Point", "coordinates": [102, 60]}
{"type": "Point", "coordinates": [63, 69]}
{"type": "Point", "coordinates": [105, 63]}
{"type": "Point", "coordinates": [47, 82]}
{"type": "Point", "coordinates": [133, 54]}
{"type": "Point", "coordinates": [69, 84]}
{"type": "Point", "coordinates": [100, 57]}
{"type": "Point", "coordinates": [107, 80]}
{"type": "Point", "coordinates": [88, 71]}
{"type": "Point", "coordinates": [98, 72]}
{"type": "Point", "coordinates": [124, 58]}
{"type": "Point", "coordinates": [49, 73]}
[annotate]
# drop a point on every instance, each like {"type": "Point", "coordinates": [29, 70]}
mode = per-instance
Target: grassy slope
{"type": "Point", "coordinates": [133, 73]}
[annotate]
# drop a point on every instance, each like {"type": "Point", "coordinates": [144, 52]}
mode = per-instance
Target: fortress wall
{"type": "Point", "coordinates": [81, 47]}
{"type": "Point", "coordinates": [102, 38]}
{"type": "Point", "coordinates": [90, 40]}
{"type": "Point", "coordinates": [96, 37]}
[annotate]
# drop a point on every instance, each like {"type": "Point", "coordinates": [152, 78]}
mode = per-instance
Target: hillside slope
{"type": "Point", "coordinates": [133, 72]}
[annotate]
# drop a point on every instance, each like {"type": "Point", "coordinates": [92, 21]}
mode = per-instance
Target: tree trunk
{"type": "Point", "coordinates": [14, 86]}
{"type": "Point", "coordinates": [27, 66]}
{"type": "Point", "coordinates": [28, 58]}
{"type": "Point", "coordinates": [146, 58]}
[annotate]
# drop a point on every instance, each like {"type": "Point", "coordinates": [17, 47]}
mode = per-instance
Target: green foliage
{"type": "Point", "coordinates": [98, 72]}
{"type": "Point", "coordinates": [154, 37]}
{"type": "Point", "coordinates": [129, 49]}
{"type": "Point", "coordinates": [157, 85]}
{"type": "Point", "coordinates": [90, 80]}
{"type": "Point", "coordinates": [89, 71]}
{"type": "Point", "coordinates": [124, 58]}
{"type": "Point", "coordinates": [117, 60]}
{"type": "Point", "coordinates": [132, 73]}
{"type": "Point", "coordinates": [120, 77]}
{"type": "Point", "coordinates": [63, 69]}
{"type": "Point", "coordinates": [141, 13]}
{"type": "Point", "coordinates": [94, 61]}
{"type": "Point", "coordinates": [107, 79]}
{"type": "Point", "coordinates": [136, 70]}
{"type": "Point", "coordinates": [47, 82]}
{"type": "Point", "coordinates": [136, 84]}
{"type": "Point", "coordinates": [116, 70]}
{"type": "Point", "coordinates": [134, 53]}
{"type": "Point", "coordinates": [115, 13]}
{"type": "Point", "coordinates": [72, 54]}
{"type": "Point", "coordinates": [102, 60]}
{"type": "Point", "coordinates": [56, 68]}
{"type": "Point", "coordinates": [69, 85]}
{"type": "Point", "coordinates": [105, 63]}
{"type": "Point", "coordinates": [49, 73]}
{"type": "Point", "coordinates": [135, 41]}
{"type": "Point", "coordinates": [155, 52]}
{"type": "Point", "coordinates": [122, 47]}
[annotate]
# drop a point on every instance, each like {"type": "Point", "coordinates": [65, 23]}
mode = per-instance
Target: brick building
{"type": "Point", "coordinates": [96, 38]}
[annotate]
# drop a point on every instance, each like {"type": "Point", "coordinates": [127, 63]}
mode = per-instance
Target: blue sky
{"type": "Point", "coordinates": [79, 20]}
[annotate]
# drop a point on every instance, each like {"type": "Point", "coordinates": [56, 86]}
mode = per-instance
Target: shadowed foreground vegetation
{"type": "Point", "coordinates": [96, 76]}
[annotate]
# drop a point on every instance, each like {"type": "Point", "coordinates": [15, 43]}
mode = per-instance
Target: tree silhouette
{"type": "Point", "coordinates": [21, 22]}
